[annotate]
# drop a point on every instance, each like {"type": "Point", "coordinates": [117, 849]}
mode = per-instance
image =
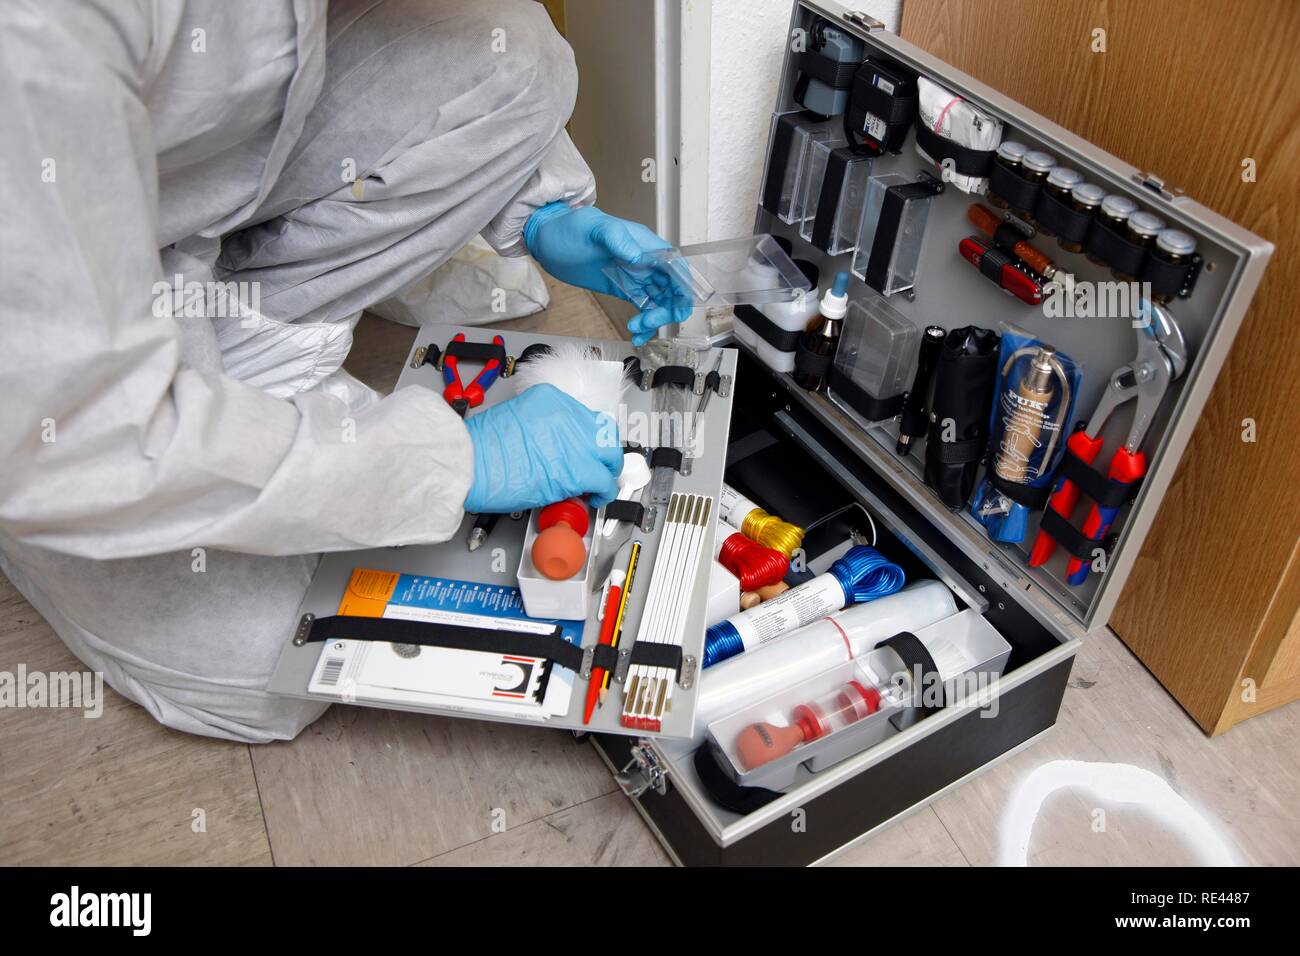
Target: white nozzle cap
{"type": "Point", "coordinates": [835, 303]}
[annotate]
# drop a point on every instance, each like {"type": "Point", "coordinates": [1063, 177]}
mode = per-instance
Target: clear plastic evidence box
{"type": "Point", "coordinates": [891, 232]}
{"type": "Point", "coordinates": [874, 359]}
{"type": "Point", "coordinates": [752, 269]}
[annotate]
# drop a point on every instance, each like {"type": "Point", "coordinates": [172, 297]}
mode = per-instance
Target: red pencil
{"type": "Point", "coordinates": [608, 618]}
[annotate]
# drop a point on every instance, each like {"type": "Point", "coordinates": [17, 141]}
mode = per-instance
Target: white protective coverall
{"type": "Point", "coordinates": [144, 139]}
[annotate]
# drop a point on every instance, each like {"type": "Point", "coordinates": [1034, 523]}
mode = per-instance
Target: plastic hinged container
{"type": "Point", "coordinates": [834, 194]}
{"type": "Point", "coordinates": [747, 270]}
{"type": "Point", "coordinates": [791, 142]}
{"type": "Point", "coordinates": [874, 360]}
{"type": "Point", "coordinates": [892, 232]}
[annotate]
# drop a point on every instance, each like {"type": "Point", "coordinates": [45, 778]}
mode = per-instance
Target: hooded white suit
{"type": "Point", "coordinates": [168, 477]}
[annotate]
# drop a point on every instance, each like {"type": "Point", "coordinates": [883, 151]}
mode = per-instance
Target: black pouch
{"type": "Point", "coordinates": [964, 383]}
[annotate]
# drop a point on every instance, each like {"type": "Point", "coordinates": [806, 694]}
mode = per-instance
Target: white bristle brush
{"type": "Point", "coordinates": [579, 369]}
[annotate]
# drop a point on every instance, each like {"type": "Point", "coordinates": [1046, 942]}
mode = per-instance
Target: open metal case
{"type": "Point", "coordinates": [798, 455]}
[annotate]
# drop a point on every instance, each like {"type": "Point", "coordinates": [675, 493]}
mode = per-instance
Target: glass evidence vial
{"type": "Point", "coordinates": [1141, 230]}
{"type": "Point", "coordinates": [1174, 247]}
{"type": "Point", "coordinates": [1060, 181]}
{"type": "Point", "coordinates": [1114, 212]}
{"type": "Point", "coordinates": [1085, 198]}
{"type": "Point", "coordinates": [1034, 167]}
{"type": "Point", "coordinates": [1010, 154]}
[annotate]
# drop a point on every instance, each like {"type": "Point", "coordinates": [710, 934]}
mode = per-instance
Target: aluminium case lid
{"type": "Point", "coordinates": [494, 565]}
{"type": "Point", "coordinates": [951, 293]}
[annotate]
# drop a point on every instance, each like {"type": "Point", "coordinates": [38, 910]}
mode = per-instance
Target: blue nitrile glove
{"type": "Point", "coordinates": [574, 245]}
{"type": "Point", "coordinates": [540, 447]}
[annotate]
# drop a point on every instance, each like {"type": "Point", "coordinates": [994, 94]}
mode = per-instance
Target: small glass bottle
{"type": "Point", "coordinates": [1060, 181]}
{"type": "Point", "coordinates": [1010, 155]}
{"type": "Point", "coordinates": [1084, 198]}
{"type": "Point", "coordinates": [1176, 248]}
{"type": "Point", "coordinates": [1034, 167]}
{"type": "Point", "coordinates": [823, 335]}
{"type": "Point", "coordinates": [1141, 230]}
{"type": "Point", "coordinates": [1114, 212]}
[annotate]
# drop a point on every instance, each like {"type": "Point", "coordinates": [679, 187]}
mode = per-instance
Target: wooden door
{"type": "Point", "coordinates": [1199, 92]}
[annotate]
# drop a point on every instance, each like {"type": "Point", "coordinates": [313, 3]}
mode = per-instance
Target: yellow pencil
{"type": "Point", "coordinates": [628, 581]}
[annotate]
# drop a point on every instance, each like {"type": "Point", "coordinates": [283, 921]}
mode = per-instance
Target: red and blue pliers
{"type": "Point", "coordinates": [464, 397]}
{"type": "Point", "coordinates": [1161, 358]}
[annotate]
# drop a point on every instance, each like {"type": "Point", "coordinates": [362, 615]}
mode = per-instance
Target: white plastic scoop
{"type": "Point", "coordinates": [635, 476]}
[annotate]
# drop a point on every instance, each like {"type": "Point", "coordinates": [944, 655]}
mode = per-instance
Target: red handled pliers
{"type": "Point", "coordinates": [464, 397]}
{"type": "Point", "coordinates": [1161, 358]}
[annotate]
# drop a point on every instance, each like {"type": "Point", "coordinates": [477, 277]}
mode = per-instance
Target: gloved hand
{"type": "Point", "coordinates": [540, 447]}
{"type": "Point", "coordinates": [574, 245]}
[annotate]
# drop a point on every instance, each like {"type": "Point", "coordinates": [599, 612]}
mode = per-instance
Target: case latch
{"type": "Point", "coordinates": [643, 772]}
{"type": "Point", "coordinates": [864, 20]}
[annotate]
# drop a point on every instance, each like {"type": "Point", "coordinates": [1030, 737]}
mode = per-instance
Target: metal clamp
{"type": "Point", "coordinates": [643, 772]}
{"type": "Point", "coordinates": [304, 629]}
{"type": "Point", "coordinates": [701, 383]}
{"type": "Point", "coordinates": [690, 666]}
{"type": "Point", "coordinates": [624, 662]}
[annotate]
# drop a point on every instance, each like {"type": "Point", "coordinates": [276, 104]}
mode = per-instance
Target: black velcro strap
{"type": "Point", "coordinates": [674, 375]}
{"type": "Point", "coordinates": [1012, 188]}
{"type": "Point", "coordinates": [1064, 221]}
{"type": "Point", "coordinates": [342, 627]}
{"type": "Point", "coordinates": [783, 340]}
{"type": "Point", "coordinates": [913, 421]}
{"type": "Point", "coordinates": [666, 457]}
{"type": "Point", "coordinates": [536, 350]}
{"type": "Point", "coordinates": [956, 452]}
{"type": "Point", "coordinates": [654, 654]}
{"type": "Point", "coordinates": [1035, 499]}
{"type": "Point", "coordinates": [967, 161]}
{"type": "Point", "coordinates": [713, 381]}
{"type": "Point", "coordinates": [1105, 491]}
{"type": "Point", "coordinates": [1167, 278]}
{"type": "Point", "coordinates": [620, 509]}
{"type": "Point", "coordinates": [916, 656]}
{"type": "Point", "coordinates": [809, 363]}
{"type": "Point", "coordinates": [823, 68]}
{"type": "Point", "coordinates": [860, 400]}
{"type": "Point", "coordinates": [604, 656]}
{"type": "Point", "coordinates": [992, 261]}
{"type": "Point", "coordinates": [828, 200]}
{"type": "Point", "coordinates": [729, 794]}
{"type": "Point", "coordinates": [1069, 537]}
{"type": "Point", "coordinates": [1115, 250]}
{"type": "Point", "coordinates": [476, 351]}
{"type": "Point", "coordinates": [631, 367]}
{"type": "Point", "coordinates": [1007, 236]}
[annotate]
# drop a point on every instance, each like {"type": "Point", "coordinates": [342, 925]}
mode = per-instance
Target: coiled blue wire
{"type": "Point", "coordinates": [863, 574]}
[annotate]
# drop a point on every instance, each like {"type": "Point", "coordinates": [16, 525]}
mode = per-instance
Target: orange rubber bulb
{"type": "Point", "coordinates": [558, 553]}
{"type": "Point", "coordinates": [761, 743]}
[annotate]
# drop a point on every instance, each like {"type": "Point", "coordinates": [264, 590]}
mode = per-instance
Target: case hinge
{"type": "Point", "coordinates": [645, 771]}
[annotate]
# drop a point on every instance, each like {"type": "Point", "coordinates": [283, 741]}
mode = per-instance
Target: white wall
{"type": "Point", "coordinates": [747, 44]}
